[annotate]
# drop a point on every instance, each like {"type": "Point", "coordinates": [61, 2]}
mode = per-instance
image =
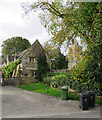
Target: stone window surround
{"type": "Point", "coordinates": [32, 60]}
{"type": "Point", "coordinates": [33, 73]}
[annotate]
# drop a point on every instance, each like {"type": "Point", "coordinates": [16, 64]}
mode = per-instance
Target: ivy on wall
{"type": "Point", "coordinates": [43, 66]}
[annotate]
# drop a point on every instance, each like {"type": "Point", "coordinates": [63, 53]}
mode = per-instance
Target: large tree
{"type": "Point", "coordinates": [65, 21]}
{"type": "Point", "coordinates": [14, 45]}
{"type": "Point", "coordinates": [59, 61]}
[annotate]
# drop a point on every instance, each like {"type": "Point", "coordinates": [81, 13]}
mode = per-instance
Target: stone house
{"type": "Point", "coordinates": [28, 57]}
{"type": "Point", "coordinates": [74, 54]}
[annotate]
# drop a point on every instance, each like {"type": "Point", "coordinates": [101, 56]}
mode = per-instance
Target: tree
{"type": "Point", "coordinates": [65, 21]}
{"type": "Point", "coordinates": [59, 61]}
{"type": "Point", "coordinates": [51, 51]}
{"type": "Point", "coordinates": [43, 66]}
{"type": "Point", "coordinates": [14, 45]}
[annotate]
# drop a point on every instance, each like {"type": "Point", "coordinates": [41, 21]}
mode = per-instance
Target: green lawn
{"type": "Point", "coordinates": [42, 88]}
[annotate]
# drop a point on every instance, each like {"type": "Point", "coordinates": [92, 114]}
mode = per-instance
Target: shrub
{"type": "Point", "coordinates": [47, 80]}
{"type": "Point", "coordinates": [77, 84]}
{"type": "Point", "coordinates": [83, 76]}
{"type": "Point", "coordinates": [58, 80]}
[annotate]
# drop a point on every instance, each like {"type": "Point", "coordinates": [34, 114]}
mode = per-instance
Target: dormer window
{"type": "Point", "coordinates": [32, 59]}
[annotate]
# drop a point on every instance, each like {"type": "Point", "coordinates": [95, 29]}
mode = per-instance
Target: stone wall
{"type": "Point", "coordinates": [19, 81]}
{"type": "Point", "coordinates": [62, 70]}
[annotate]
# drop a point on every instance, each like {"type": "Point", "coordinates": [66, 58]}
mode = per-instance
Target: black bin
{"type": "Point", "coordinates": [84, 101]}
{"type": "Point", "coordinates": [91, 98]}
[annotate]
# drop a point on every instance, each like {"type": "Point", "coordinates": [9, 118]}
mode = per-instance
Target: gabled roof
{"type": "Point", "coordinates": [25, 51]}
{"type": "Point", "coordinates": [22, 53]}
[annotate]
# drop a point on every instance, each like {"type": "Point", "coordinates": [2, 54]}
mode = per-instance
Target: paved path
{"type": "Point", "coordinates": [18, 103]}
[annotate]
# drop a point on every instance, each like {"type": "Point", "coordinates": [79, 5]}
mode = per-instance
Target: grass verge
{"type": "Point", "coordinates": [42, 88]}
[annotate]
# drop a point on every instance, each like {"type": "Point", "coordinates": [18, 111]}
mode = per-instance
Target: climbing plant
{"type": "Point", "coordinates": [8, 69]}
{"type": "Point", "coordinates": [43, 66]}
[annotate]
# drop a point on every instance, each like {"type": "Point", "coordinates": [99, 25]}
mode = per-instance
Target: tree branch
{"type": "Point", "coordinates": [56, 11]}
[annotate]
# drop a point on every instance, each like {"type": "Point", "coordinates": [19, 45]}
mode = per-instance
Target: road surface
{"type": "Point", "coordinates": [19, 103]}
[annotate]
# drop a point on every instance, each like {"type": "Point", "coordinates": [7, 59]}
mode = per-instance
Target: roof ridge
{"type": "Point", "coordinates": [30, 47]}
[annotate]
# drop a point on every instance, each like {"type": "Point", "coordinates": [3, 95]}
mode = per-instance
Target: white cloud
{"type": "Point", "coordinates": [13, 24]}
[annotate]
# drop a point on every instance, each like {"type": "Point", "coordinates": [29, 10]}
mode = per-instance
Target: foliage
{"type": "Point", "coordinates": [43, 66]}
{"type": "Point", "coordinates": [8, 69]}
{"type": "Point", "coordinates": [55, 73]}
{"type": "Point", "coordinates": [65, 21]}
{"type": "Point", "coordinates": [58, 81]}
{"type": "Point", "coordinates": [84, 76]}
{"type": "Point", "coordinates": [42, 88]}
{"type": "Point", "coordinates": [50, 50]}
{"type": "Point", "coordinates": [73, 81]}
{"type": "Point", "coordinates": [14, 45]}
{"type": "Point", "coordinates": [59, 61]}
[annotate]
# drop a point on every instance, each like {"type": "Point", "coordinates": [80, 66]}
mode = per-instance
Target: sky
{"type": "Point", "coordinates": [14, 23]}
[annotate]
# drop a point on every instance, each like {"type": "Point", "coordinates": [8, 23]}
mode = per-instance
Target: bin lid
{"type": "Point", "coordinates": [84, 95]}
{"type": "Point", "coordinates": [64, 88]}
{"type": "Point", "coordinates": [91, 92]}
